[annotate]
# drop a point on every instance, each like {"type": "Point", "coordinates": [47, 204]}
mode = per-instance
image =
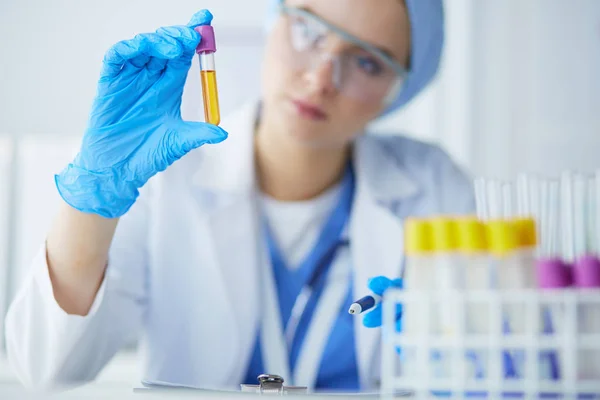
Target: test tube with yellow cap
{"type": "Point", "coordinates": [418, 271]}
{"type": "Point", "coordinates": [418, 248]}
{"type": "Point", "coordinates": [417, 279]}
{"type": "Point", "coordinates": [208, 74]}
{"type": "Point", "coordinates": [472, 244]}
{"type": "Point", "coordinates": [473, 247]}
{"type": "Point", "coordinates": [504, 244]}
{"type": "Point", "coordinates": [448, 274]}
{"type": "Point", "coordinates": [478, 276]}
{"type": "Point", "coordinates": [526, 245]}
{"type": "Point", "coordinates": [448, 277]}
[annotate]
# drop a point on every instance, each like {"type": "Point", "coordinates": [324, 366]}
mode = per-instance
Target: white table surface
{"type": "Point", "coordinates": [119, 380]}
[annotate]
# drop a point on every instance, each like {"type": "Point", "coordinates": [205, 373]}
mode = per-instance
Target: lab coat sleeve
{"type": "Point", "coordinates": [50, 349]}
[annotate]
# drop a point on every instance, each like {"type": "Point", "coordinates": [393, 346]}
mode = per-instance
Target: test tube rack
{"type": "Point", "coordinates": [407, 356]}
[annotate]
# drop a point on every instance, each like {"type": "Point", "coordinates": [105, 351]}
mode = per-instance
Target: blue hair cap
{"type": "Point", "coordinates": [426, 41]}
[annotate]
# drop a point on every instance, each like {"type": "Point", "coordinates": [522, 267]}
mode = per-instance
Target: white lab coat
{"type": "Point", "coordinates": [183, 265]}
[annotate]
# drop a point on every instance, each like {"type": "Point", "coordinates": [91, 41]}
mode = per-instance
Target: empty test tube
{"type": "Point", "coordinates": [208, 74]}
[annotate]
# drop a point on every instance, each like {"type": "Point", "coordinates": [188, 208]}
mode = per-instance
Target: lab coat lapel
{"type": "Point", "coordinates": [376, 234]}
{"type": "Point", "coordinates": [225, 188]}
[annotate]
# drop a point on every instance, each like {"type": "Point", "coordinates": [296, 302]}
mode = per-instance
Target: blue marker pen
{"type": "Point", "coordinates": [364, 304]}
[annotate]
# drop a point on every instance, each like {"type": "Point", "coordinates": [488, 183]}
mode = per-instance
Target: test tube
{"type": "Point", "coordinates": [507, 200]}
{"type": "Point", "coordinates": [592, 217]}
{"type": "Point", "coordinates": [494, 198]}
{"type": "Point", "coordinates": [481, 198]}
{"type": "Point", "coordinates": [554, 219]}
{"type": "Point", "coordinates": [208, 75]}
{"type": "Point", "coordinates": [567, 223]}
{"type": "Point", "coordinates": [597, 224]}
{"type": "Point", "coordinates": [534, 199]}
{"type": "Point", "coordinates": [580, 215]}
{"type": "Point", "coordinates": [543, 219]}
{"type": "Point", "coordinates": [523, 195]}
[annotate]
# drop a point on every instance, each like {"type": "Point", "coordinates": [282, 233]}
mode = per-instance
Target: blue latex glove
{"type": "Point", "coordinates": [379, 285]}
{"type": "Point", "coordinates": [135, 128]}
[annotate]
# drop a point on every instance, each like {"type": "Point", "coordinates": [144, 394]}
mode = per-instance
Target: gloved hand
{"type": "Point", "coordinates": [135, 128]}
{"type": "Point", "coordinates": [379, 285]}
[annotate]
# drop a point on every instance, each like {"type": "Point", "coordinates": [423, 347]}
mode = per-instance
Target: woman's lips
{"type": "Point", "coordinates": [309, 111]}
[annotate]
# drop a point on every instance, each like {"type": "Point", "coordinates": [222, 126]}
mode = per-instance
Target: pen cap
{"type": "Point", "coordinates": [502, 237]}
{"type": "Point", "coordinates": [552, 274]}
{"type": "Point", "coordinates": [471, 235]}
{"type": "Point", "coordinates": [207, 41]}
{"type": "Point", "coordinates": [417, 236]}
{"type": "Point", "coordinates": [526, 232]}
{"type": "Point", "coordinates": [586, 272]}
{"type": "Point", "coordinates": [444, 234]}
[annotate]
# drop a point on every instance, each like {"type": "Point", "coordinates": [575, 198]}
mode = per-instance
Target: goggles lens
{"type": "Point", "coordinates": [358, 71]}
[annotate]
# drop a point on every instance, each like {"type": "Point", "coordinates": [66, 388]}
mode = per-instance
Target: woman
{"type": "Point", "coordinates": [240, 258]}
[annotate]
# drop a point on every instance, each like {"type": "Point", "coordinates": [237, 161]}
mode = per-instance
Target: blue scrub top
{"type": "Point", "coordinates": [338, 369]}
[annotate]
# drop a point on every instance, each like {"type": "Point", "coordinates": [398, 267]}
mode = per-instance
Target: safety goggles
{"type": "Point", "coordinates": [361, 70]}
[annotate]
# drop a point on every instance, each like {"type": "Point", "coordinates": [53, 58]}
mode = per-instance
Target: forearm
{"type": "Point", "coordinates": [77, 254]}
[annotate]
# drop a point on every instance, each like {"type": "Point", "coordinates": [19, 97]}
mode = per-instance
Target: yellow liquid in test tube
{"type": "Point", "coordinates": [212, 114]}
{"type": "Point", "coordinates": [208, 74]}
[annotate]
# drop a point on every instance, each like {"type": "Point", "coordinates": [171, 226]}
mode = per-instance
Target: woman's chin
{"type": "Point", "coordinates": [306, 135]}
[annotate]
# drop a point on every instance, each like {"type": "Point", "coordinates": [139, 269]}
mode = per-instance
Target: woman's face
{"type": "Point", "coordinates": [304, 103]}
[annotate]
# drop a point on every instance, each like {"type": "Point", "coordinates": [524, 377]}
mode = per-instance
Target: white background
{"type": "Point", "coordinates": [519, 90]}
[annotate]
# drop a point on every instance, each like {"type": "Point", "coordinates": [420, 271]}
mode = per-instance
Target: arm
{"type": "Point", "coordinates": [48, 346]}
{"type": "Point", "coordinates": [74, 312]}
{"type": "Point", "coordinates": [77, 254]}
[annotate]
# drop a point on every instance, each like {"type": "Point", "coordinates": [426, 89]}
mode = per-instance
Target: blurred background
{"type": "Point", "coordinates": [518, 91]}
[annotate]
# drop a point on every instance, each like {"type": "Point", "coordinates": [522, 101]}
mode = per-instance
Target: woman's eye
{"type": "Point", "coordinates": [369, 65]}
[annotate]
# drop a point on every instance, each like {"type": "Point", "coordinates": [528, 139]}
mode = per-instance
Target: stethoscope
{"type": "Point", "coordinates": [332, 266]}
{"type": "Point", "coordinates": [307, 290]}
{"type": "Point", "coordinates": [277, 340]}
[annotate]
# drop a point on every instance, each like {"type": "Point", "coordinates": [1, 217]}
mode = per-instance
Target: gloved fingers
{"type": "Point", "coordinates": [195, 134]}
{"type": "Point", "coordinates": [140, 61]}
{"type": "Point", "coordinates": [181, 138]}
{"type": "Point", "coordinates": [187, 38]}
{"type": "Point", "coordinates": [398, 283]}
{"type": "Point", "coordinates": [379, 284]}
{"type": "Point", "coordinates": [162, 46]}
{"type": "Point", "coordinates": [175, 44]}
{"type": "Point", "coordinates": [372, 319]}
{"type": "Point", "coordinates": [155, 65]}
{"type": "Point", "coordinates": [166, 46]}
{"type": "Point", "coordinates": [137, 49]}
{"type": "Point", "coordinates": [119, 54]}
{"type": "Point", "coordinates": [202, 17]}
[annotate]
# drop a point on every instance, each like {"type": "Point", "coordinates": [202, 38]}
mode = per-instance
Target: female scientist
{"type": "Point", "coordinates": [240, 258]}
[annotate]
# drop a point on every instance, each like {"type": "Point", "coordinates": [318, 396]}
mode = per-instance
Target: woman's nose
{"type": "Point", "coordinates": [323, 75]}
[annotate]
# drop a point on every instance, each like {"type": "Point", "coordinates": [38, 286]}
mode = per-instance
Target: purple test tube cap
{"type": "Point", "coordinates": [586, 272]}
{"type": "Point", "coordinates": [207, 41]}
{"type": "Point", "coordinates": [553, 274]}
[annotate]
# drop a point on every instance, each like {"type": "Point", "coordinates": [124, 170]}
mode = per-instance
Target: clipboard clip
{"type": "Point", "coordinates": [270, 384]}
